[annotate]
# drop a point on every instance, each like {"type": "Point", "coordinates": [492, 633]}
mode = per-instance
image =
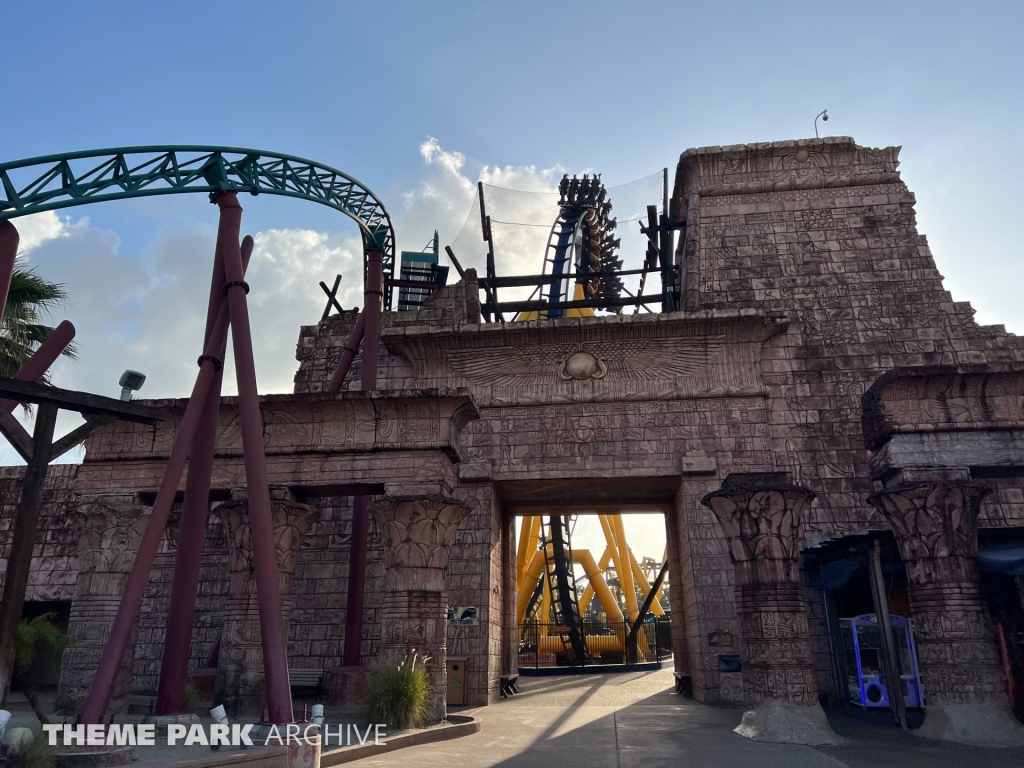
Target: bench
{"type": "Point", "coordinates": [508, 686]}
{"type": "Point", "coordinates": [684, 685]}
{"type": "Point", "coordinates": [308, 678]}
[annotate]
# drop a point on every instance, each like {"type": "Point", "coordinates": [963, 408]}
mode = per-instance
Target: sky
{"type": "Point", "coordinates": [420, 101]}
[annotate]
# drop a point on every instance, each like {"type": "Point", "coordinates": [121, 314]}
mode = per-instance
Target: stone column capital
{"type": "Point", "coordinates": [936, 527]}
{"type": "Point", "coordinates": [417, 532]}
{"type": "Point", "coordinates": [111, 526]}
{"type": "Point", "coordinates": [761, 515]}
{"type": "Point", "coordinates": [292, 521]}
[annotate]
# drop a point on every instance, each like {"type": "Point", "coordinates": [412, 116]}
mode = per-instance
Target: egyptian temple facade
{"type": "Point", "coordinates": [818, 387]}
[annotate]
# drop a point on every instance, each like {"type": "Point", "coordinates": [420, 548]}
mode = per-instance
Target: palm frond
{"type": "Point", "coordinates": [30, 300]}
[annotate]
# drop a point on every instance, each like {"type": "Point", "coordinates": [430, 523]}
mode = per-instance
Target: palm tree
{"type": "Point", "coordinates": [29, 299]}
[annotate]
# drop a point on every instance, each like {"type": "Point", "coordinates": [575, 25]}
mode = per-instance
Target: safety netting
{"type": "Point", "coordinates": [521, 223]}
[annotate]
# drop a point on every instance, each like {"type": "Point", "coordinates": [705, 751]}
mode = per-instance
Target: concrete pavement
{"type": "Point", "coordinates": [627, 720]}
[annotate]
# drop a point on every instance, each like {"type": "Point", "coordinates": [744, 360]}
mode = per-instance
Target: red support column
{"type": "Point", "coordinates": [131, 600]}
{"type": "Point", "coordinates": [275, 655]}
{"type": "Point", "coordinates": [360, 507]}
{"type": "Point", "coordinates": [371, 308]}
{"type": "Point", "coordinates": [9, 239]}
{"type": "Point", "coordinates": [170, 698]}
{"type": "Point", "coordinates": [348, 354]}
{"type": "Point", "coordinates": [356, 581]}
{"type": "Point", "coordinates": [43, 357]}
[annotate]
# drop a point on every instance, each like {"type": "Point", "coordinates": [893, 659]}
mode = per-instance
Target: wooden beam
{"type": "Point", "coordinates": [458, 267]}
{"type": "Point", "coordinates": [26, 523]}
{"type": "Point", "coordinates": [541, 306]}
{"type": "Point", "coordinates": [331, 301]}
{"type": "Point", "coordinates": [514, 281]}
{"type": "Point", "coordinates": [83, 402]}
{"type": "Point", "coordinates": [76, 436]}
{"type": "Point", "coordinates": [11, 428]}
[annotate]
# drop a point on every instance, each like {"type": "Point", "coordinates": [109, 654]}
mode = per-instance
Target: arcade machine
{"type": "Point", "coordinates": [862, 645]}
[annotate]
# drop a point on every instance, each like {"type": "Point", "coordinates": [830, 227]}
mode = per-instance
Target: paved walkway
{"type": "Point", "coordinates": [627, 720]}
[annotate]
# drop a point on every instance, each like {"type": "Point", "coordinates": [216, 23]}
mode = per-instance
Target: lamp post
{"type": "Point", "coordinates": [824, 118]}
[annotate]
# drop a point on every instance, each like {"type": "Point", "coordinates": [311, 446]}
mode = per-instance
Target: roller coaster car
{"type": "Point", "coordinates": [584, 232]}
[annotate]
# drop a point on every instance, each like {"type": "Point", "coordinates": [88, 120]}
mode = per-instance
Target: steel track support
{"type": "Point", "coordinates": [170, 698]}
{"type": "Point", "coordinates": [268, 590]}
{"type": "Point", "coordinates": [370, 319]}
{"type": "Point", "coordinates": [135, 586]}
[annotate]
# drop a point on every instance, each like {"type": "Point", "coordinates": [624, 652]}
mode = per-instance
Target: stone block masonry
{"type": "Point", "coordinates": [803, 281]}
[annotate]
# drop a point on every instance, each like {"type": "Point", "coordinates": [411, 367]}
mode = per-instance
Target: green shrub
{"type": "Point", "coordinates": [34, 754]}
{"type": "Point", "coordinates": [398, 692]}
{"type": "Point", "coordinates": [33, 636]}
{"type": "Point", "coordinates": [191, 696]}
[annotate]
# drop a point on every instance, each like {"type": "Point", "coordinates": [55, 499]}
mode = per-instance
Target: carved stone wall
{"type": "Point", "coordinates": [54, 571]}
{"type": "Point", "coordinates": [110, 529]}
{"type": "Point", "coordinates": [936, 526]}
{"type": "Point", "coordinates": [418, 533]}
{"type": "Point", "coordinates": [936, 529]}
{"type": "Point", "coordinates": [803, 278]}
{"type": "Point", "coordinates": [760, 515]}
{"type": "Point", "coordinates": [240, 669]}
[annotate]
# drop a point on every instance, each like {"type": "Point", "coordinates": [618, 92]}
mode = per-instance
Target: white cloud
{"type": "Point", "coordinates": [37, 229]}
{"type": "Point", "coordinates": [147, 311]}
{"type": "Point", "coordinates": [444, 200]}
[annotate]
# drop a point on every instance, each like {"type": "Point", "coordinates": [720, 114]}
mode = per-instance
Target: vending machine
{"type": "Point", "coordinates": [862, 647]}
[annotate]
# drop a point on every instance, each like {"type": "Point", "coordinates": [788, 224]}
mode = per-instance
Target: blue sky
{"type": "Point", "coordinates": [420, 100]}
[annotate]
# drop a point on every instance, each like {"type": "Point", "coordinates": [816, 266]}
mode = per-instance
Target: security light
{"type": "Point", "coordinates": [130, 382]}
{"type": "Point", "coordinates": [824, 118]}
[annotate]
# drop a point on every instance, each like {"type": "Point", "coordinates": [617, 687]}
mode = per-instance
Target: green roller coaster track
{"type": "Point", "coordinates": [78, 178]}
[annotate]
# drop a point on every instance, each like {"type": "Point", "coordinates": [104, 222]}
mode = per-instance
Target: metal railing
{"type": "Point", "coordinates": [543, 644]}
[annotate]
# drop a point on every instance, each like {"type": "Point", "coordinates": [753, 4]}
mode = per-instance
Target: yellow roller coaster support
{"type": "Point", "coordinates": [588, 593]}
{"type": "Point", "coordinates": [595, 575]}
{"type": "Point", "coordinates": [528, 584]}
{"type": "Point", "coordinates": [545, 606]}
{"type": "Point", "coordinates": [527, 545]}
{"type": "Point", "coordinates": [645, 586]}
{"type": "Point", "coordinates": [623, 569]}
{"type": "Point", "coordinates": [596, 644]}
{"type": "Point", "coordinates": [577, 295]}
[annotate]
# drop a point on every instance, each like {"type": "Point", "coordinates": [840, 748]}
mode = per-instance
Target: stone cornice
{"type": "Point", "coordinates": [601, 359]}
{"type": "Point", "coordinates": [320, 423]}
{"type": "Point", "coordinates": [835, 161]}
{"type": "Point", "coordinates": [942, 399]}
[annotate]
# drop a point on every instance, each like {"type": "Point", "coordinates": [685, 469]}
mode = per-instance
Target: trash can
{"type": "Point", "coordinates": [457, 681]}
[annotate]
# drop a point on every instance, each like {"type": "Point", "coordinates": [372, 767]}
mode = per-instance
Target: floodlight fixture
{"type": "Point", "coordinates": [131, 381]}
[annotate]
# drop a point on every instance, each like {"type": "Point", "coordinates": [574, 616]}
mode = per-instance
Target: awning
{"type": "Point", "coordinates": [1002, 557]}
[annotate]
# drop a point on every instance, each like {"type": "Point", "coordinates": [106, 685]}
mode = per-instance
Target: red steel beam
{"type": "Point", "coordinates": [131, 598]}
{"type": "Point", "coordinates": [371, 308]}
{"type": "Point", "coordinates": [268, 592]}
{"type": "Point", "coordinates": [43, 357]}
{"type": "Point", "coordinates": [9, 239]}
{"type": "Point", "coordinates": [360, 506]}
{"type": "Point", "coordinates": [170, 698]}
{"type": "Point", "coordinates": [348, 354]}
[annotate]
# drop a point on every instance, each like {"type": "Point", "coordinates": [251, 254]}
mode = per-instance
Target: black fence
{"type": "Point", "coordinates": [608, 642]}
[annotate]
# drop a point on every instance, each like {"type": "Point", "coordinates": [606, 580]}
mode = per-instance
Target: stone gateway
{"type": "Point", "coordinates": [817, 389]}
